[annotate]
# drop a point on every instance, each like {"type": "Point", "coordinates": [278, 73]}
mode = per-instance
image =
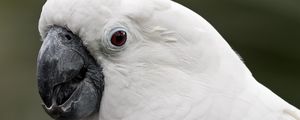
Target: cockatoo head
{"type": "Point", "coordinates": [120, 56]}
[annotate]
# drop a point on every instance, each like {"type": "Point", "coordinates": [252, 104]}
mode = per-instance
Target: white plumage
{"type": "Point", "coordinates": [174, 66]}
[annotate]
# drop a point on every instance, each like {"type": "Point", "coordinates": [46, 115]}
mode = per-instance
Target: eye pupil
{"type": "Point", "coordinates": [119, 38]}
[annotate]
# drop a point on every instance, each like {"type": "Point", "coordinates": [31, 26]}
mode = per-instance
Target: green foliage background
{"type": "Point", "coordinates": [266, 33]}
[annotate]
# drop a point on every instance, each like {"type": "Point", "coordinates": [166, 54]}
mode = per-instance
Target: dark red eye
{"type": "Point", "coordinates": [119, 38]}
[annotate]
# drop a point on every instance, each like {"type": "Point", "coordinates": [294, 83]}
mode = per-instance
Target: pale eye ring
{"type": "Point", "coordinates": [118, 38]}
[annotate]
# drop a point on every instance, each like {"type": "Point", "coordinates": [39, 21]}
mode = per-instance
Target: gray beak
{"type": "Point", "coordinates": [70, 81]}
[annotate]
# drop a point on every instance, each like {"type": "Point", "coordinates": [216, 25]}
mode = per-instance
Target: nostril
{"type": "Point", "coordinates": [68, 36]}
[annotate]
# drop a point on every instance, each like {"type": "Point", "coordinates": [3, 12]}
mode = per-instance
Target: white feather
{"type": "Point", "coordinates": [175, 65]}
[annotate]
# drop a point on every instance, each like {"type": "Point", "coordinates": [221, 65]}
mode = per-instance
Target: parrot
{"type": "Point", "coordinates": [144, 60]}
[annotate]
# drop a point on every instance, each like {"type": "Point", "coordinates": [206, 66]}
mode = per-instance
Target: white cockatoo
{"type": "Point", "coordinates": [144, 60]}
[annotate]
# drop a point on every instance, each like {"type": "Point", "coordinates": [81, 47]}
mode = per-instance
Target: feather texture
{"type": "Point", "coordinates": [175, 65]}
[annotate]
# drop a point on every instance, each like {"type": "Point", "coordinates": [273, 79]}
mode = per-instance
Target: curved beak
{"type": "Point", "coordinates": [65, 69]}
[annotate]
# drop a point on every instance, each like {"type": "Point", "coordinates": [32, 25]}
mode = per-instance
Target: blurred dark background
{"type": "Point", "coordinates": [266, 33]}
